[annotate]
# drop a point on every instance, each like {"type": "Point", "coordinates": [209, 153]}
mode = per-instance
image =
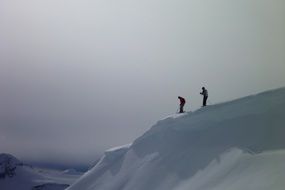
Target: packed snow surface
{"type": "Point", "coordinates": [229, 146]}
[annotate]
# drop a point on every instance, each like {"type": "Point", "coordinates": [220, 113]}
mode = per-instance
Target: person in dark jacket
{"type": "Point", "coordinates": [182, 103]}
{"type": "Point", "coordinates": [205, 95]}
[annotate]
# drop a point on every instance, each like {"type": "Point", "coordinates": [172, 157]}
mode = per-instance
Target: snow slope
{"type": "Point", "coordinates": [15, 175]}
{"type": "Point", "coordinates": [236, 170]}
{"type": "Point", "coordinates": [229, 146]}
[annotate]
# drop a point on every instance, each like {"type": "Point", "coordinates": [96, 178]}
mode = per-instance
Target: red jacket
{"type": "Point", "coordinates": [182, 100]}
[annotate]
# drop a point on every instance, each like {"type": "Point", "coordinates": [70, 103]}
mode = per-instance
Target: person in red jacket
{"type": "Point", "coordinates": [182, 103]}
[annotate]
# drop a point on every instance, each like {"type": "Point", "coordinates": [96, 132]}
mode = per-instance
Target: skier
{"type": "Point", "coordinates": [182, 103]}
{"type": "Point", "coordinates": [205, 95]}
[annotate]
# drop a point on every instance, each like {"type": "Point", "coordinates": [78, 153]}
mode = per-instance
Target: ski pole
{"type": "Point", "coordinates": [209, 102]}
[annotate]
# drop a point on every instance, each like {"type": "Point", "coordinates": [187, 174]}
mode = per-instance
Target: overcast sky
{"type": "Point", "coordinates": [80, 76]}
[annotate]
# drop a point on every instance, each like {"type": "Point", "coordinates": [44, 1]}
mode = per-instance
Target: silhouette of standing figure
{"type": "Point", "coordinates": [205, 95]}
{"type": "Point", "coordinates": [182, 103]}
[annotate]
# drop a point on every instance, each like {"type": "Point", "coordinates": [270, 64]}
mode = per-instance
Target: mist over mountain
{"type": "Point", "coordinates": [15, 175]}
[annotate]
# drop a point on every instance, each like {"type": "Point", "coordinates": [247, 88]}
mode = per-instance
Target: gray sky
{"type": "Point", "coordinates": [78, 77]}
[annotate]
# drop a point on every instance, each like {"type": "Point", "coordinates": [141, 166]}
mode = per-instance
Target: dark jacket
{"type": "Point", "coordinates": [204, 92]}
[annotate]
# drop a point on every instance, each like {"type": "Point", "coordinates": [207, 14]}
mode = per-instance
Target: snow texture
{"type": "Point", "coordinates": [15, 175]}
{"type": "Point", "coordinates": [229, 146]}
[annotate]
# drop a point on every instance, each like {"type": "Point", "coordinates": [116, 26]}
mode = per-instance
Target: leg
{"type": "Point", "coordinates": [205, 100]}
{"type": "Point", "coordinates": [181, 108]}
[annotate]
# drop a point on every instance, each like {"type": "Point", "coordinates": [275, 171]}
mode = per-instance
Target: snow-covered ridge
{"type": "Point", "coordinates": [176, 150]}
{"type": "Point", "coordinates": [15, 175]}
{"type": "Point", "coordinates": [8, 165]}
